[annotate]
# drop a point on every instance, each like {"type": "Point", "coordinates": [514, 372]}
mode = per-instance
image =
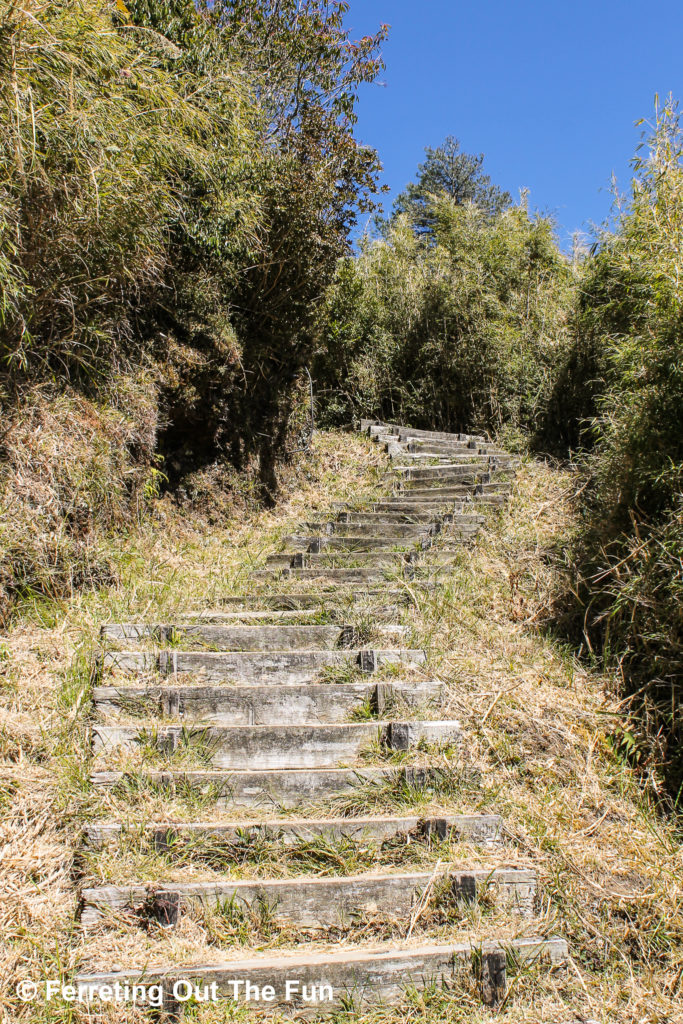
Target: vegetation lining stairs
{"type": "Point", "coordinates": [256, 707]}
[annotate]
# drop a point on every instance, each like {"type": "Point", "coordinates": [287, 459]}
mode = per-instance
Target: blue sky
{"type": "Point", "coordinates": [548, 91]}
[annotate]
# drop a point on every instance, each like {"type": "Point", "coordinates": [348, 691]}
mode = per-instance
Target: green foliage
{"type": "Point", "coordinates": [626, 564]}
{"type": "Point", "coordinates": [448, 172]}
{"type": "Point", "coordinates": [177, 183]}
{"type": "Point", "coordinates": [462, 333]}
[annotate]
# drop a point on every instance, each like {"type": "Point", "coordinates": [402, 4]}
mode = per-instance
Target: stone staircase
{"type": "Point", "coordinates": [282, 719]}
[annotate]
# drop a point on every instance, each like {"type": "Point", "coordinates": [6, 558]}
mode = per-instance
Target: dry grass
{"type": "Point", "coordinates": [538, 725]}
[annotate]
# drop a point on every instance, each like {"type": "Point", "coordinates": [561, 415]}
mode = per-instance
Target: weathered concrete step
{"type": "Point", "coordinates": [321, 573]}
{"type": "Point", "coordinates": [382, 529]}
{"type": "Point", "coordinates": [234, 638]}
{"type": "Point", "coordinates": [445, 493]}
{"type": "Point", "coordinates": [351, 559]}
{"type": "Point", "coordinates": [263, 705]}
{"type": "Point", "coordinates": [430, 446]}
{"type": "Point", "coordinates": [312, 600]}
{"type": "Point", "coordinates": [246, 666]}
{"type": "Point", "coordinates": [404, 503]}
{"type": "Point", "coordinates": [276, 790]}
{"type": "Point", "coordinates": [320, 982]}
{"type": "Point", "coordinates": [480, 829]}
{"type": "Point", "coordinates": [327, 544]}
{"type": "Point", "coordinates": [401, 430]}
{"type": "Point", "coordinates": [406, 454]}
{"type": "Point", "coordinates": [263, 747]}
{"type": "Point", "coordinates": [401, 457]}
{"type": "Point", "coordinates": [447, 484]}
{"type": "Point", "coordinates": [471, 471]}
{"type": "Point", "coordinates": [436, 447]}
{"type": "Point", "coordinates": [321, 903]}
{"type": "Point", "coordinates": [372, 519]}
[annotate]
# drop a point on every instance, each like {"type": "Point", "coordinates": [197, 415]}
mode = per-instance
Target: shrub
{"type": "Point", "coordinates": [625, 567]}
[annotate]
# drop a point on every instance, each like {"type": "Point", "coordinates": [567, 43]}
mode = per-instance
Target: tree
{"type": "Point", "coordinates": [448, 171]}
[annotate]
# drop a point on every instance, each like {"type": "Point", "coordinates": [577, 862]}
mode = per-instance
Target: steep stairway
{"type": "Point", "coordinates": [315, 780]}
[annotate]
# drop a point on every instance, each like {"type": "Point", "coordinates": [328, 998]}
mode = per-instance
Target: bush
{"type": "Point", "coordinates": [625, 567]}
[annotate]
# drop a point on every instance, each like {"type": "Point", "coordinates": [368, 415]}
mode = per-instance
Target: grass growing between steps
{"type": "Point", "coordinates": [537, 727]}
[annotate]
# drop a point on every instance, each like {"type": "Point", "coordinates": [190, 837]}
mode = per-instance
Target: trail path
{"type": "Point", "coordinates": [274, 718]}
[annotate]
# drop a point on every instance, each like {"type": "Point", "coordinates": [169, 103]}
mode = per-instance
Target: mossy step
{"type": "Point", "coordinates": [284, 667]}
{"type": "Point", "coordinates": [480, 829]}
{"type": "Point", "coordinates": [263, 705]}
{"type": "Point", "coordinates": [337, 902]}
{"type": "Point", "coordinates": [293, 789]}
{"type": "Point", "coordinates": [320, 982]}
{"type": "Point", "coordinates": [263, 747]}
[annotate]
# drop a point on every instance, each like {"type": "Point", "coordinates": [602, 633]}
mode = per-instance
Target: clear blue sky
{"type": "Point", "coordinates": [548, 91]}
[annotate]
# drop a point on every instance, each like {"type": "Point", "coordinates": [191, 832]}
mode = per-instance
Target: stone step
{"type": "Point", "coordinates": [320, 904]}
{"type": "Point", "coordinates": [264, 705]}
{"type": "Point", "coordinates": [245, 666]}
{"type": "Point", "coordinates": [318, 982]}
{"type": "Point", "coordinates": [262, 747]}
{"type": "Point", "coordinates": [480, 829]}
{"type": "Point", "coordinates": [276, 790]}
{"type": "Point", "coordinates": [233, 638]}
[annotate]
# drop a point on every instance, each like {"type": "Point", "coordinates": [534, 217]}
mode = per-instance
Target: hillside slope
{"type": "Point", "coordinates": [537, 727]}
